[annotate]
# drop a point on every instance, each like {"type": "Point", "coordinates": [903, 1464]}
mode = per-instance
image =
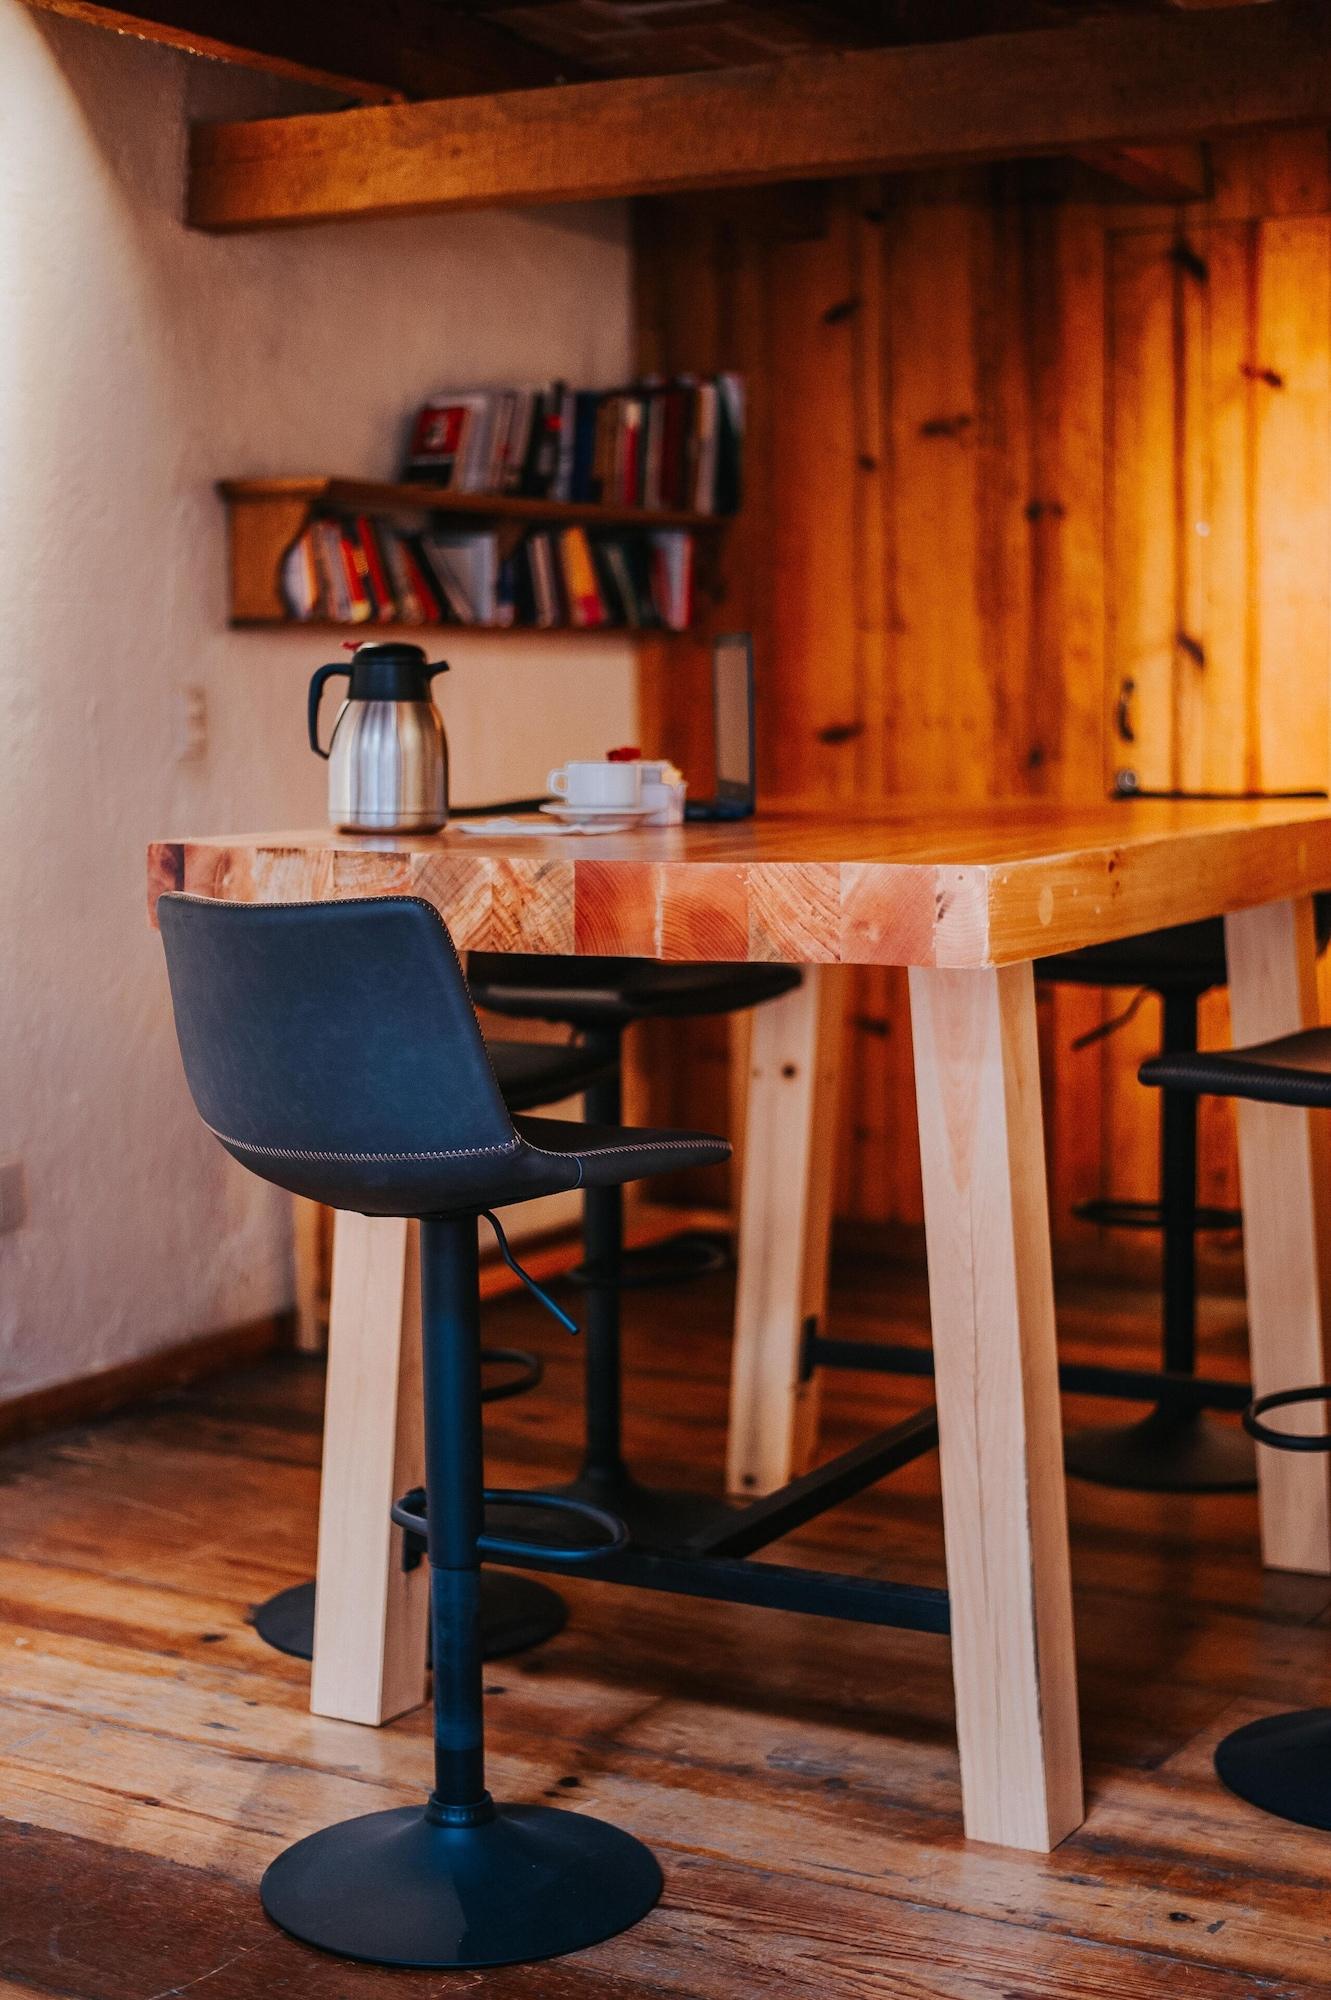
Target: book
{"type": "Point", "coordinates": [382, 598]}
{"type": "Point", "coordinates": [728, 485]}
{"type": "Point", "coordinates": [657, 443]}
{"type": "Point", "coordinates": [585, 607]}
{"type": "Point", "coordinates": [672, 577]}
{"type": "Point", "coordinates": [616, 583]}
{"type": "Point", "coordinates": [443, 437]}
{"type": "Point", "coordinates": [467, 567]}
{"type": "Point", "coordinates": [562, 484]}
{"type": "Point", "coordinates": [298, 577]}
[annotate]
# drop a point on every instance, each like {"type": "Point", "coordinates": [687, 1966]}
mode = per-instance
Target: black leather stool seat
{"type": "Point", "coordinates": [544, 1156]}
{"type": "Point", "coordinates": [534, 1073]}
{"type": "Point", "coordinates": [383, 975]}
{"type": "Point", "coordinates": [591, 993]}
{"type": "Point", "coordinates": [1186, 955]}
{"type": "Point", "coordinates": [1293, 1069]}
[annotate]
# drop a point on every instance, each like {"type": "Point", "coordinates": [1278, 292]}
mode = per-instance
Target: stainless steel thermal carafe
{"type": "Point", "coordinates": [388, 755]}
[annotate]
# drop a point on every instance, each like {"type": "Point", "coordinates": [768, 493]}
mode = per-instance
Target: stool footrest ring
{"type": "Point", "coordinates": [528, 1368]}
{"type": "Point", "coordinates": [1285, 1399]}
{"type": "Point", "coordinates": [410, 1513]}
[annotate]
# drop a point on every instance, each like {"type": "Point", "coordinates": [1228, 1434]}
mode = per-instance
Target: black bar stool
{"type": "Point", "coordinates": [517, 1613]}
{"type": "Point", "coordinates": [333, 1050]}
{"type": "Point", "coordinates": [1281, 1763]}
{"type": "Point", "coordinates": [1177, 1447]}
{"type": "Point", "coordinates": [600, 998]}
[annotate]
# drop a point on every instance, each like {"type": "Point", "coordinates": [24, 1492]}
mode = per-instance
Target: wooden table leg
{"type": "Point", "coordinates": [370, 1613]}
{"type": "Point", "coordinates": [977, 1084]}
{"type": "Point", "coordinates": [785, 1220]}
{"type": "Point", "coordinates": [307, 1225]}
{"type": "Point", "coordinates": [1283, 1171]}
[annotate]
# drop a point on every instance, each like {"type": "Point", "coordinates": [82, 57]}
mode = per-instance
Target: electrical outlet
{"type": "Point", "coordinates": [191, 724]}
{"type": "Point", "coordinates": [13, 1208]}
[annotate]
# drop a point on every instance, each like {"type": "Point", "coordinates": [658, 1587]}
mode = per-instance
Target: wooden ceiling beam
{"type": "Point", "coordinates": [1159, 173]}
{"type": "Point", "coordinates": [1116, 82]}
{"type": "Point", "coordinates": [403, 48]}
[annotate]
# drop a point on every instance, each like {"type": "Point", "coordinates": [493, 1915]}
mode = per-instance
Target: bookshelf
{"type": "Point", "coordinates": [265, 516]}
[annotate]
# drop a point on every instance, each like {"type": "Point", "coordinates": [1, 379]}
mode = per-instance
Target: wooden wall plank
{"type": "Point", "coordinates": [974, 501]}
{"type": "Point", "coordinates": [1214, 746]}
{"type": "Point", "coordinates": [1291, 377]}
{"type": "Point", "coordinates": [1143, 512]}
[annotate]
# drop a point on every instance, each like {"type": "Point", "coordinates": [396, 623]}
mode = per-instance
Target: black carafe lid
{"type": "Point", "coordinates": [392, 671]}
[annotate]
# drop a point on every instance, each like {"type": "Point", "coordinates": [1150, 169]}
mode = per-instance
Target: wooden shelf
{"type": "Point", "coordinates": [373, 628]}
{"type": "Point", "coordinates": [266, 515]}
{"type": "Point", "coordinates": [372, 496]}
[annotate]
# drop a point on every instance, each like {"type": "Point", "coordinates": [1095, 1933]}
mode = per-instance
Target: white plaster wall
{"type": "Point", "coordinates": [139, 362]}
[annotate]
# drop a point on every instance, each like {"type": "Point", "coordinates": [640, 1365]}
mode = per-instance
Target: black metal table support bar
{"type": "Point", "coordinates": [1129, 1385]}
{"type": "Point", "coordinates": [1113, 1212]}
{"type": "Point", "coordinates": [715, 1563]}
{"type": "Point", "coordinates": [772, 1586]}
{"type": "Point", "coordinates": [780, 1513]}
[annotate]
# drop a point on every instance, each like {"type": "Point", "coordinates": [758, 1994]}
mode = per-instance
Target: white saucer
{"type": "Point", "coordinates": [606, 817]}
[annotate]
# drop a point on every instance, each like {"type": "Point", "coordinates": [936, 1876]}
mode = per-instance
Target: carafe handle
{"type": "Point", "coordinates": [316, 694]}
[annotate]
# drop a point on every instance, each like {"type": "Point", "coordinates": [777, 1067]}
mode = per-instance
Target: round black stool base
{"type": "Point", "coordinates": [658, 1517]}
{"type": "Point", "coordinates": [286, 1622]}
{"type": "Point", "coordinates": [516, 1614]}
{"type": "Point", "coordinates": [392, 1888]}
{"type": "Point", "coordinates": [1283, 1765]}
{"type": "Point", "coordinates": [1165, 1453]}
{"type": "Point", "coordinates": [692, 1253]}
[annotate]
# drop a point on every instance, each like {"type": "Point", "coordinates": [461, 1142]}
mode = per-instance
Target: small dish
{"type": "Point", "coordinates": [605, 817]}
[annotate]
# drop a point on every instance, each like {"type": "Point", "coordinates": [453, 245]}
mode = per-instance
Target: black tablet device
{"type": "Point", "coordinates": [732, 719]}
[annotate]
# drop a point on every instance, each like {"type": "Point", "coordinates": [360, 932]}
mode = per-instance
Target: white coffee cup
{"type": "Point", "coordinates": [597, 783]}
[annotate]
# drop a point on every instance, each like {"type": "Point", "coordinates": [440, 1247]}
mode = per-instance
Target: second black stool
{"type": "Point", "coordinates": [517, 1612]}
{"type": "Point", "coordinates": [1177, 1447]}
{"type": "Point", "coordinates": [1281, 1763]}
{"type": "Point", "coordinates": [600, 998]}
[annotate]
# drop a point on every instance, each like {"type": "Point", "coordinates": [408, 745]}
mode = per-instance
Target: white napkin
{"type": "Point", "coordinates": [545, 829]}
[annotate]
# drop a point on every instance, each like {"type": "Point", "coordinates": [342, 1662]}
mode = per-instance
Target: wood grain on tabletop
{"type": "Point", "coordinates": [1011, 448]}
{"type": "Point", "coordinates": [798, 1779]}
{"type": "Point", "coordinates": [908, 885]}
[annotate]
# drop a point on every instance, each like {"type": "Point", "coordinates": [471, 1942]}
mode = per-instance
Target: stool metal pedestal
{"type": "Point", "coordinates": [1178, 1447]}
{"type": "Point", "coordinates": [459, 1881]}
{"type": "Point", "coordinates": [660, 1517]}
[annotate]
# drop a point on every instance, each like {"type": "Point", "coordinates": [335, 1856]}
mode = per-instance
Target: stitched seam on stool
{"type": "Point", "coordinates": [297, 1153]}
{"type": "Point", "coordinates": [654, 1146]}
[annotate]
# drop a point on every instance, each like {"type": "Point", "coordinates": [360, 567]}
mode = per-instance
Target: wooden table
{"type": "Point", "coordinates": [966, 898]}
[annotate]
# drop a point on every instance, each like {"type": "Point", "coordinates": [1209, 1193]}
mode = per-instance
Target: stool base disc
{"type": "Point", "coordinates": [516, 1614]}
{"type": "Point", "coordinates": [392, 1888]}
{"type": "Point", "coordinates": [677, 1260]}
{"type": "Point", "coordinates": [658, 1517]}
{"type": "Point", "coordinates": [1283, 1765]}
{"type": "Point", "coordinates": [1165, 1453]}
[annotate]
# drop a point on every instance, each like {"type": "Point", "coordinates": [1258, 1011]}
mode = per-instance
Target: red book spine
{"type": "Point", "coordinates": [380, 588]}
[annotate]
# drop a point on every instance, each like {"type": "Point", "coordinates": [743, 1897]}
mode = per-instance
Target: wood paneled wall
{"type": "Point", "coordinates": [1038, 491]}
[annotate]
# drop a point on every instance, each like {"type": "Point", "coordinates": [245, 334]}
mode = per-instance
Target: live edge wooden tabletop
{"type": "Point", "coordinates": [916, 884]}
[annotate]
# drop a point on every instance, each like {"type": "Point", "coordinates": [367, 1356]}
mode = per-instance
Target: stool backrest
{"type": "Point", "coordinates": [329, 1029]}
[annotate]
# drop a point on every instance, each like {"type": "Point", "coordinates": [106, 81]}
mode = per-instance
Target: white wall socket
{"type": "Point", "coordinates": [13, 1207]}
{"type": "Point", "coordinates": [191, 724]}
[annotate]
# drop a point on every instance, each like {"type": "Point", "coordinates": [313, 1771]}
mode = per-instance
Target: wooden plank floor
{"type": "Point", "coordinates": [797, 1778]}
